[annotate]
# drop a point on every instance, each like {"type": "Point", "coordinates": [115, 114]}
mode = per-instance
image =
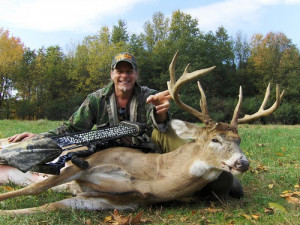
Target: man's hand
{"type": "Point", "coordinates": [161, 101]}
{"type": "Point", "coordinates": [162, 104]}
{"type": "Point", "coordinates": [21, 137]}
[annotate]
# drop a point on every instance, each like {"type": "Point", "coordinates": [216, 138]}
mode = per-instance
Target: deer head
{"type": "Point", "coordinates": [219, 143]}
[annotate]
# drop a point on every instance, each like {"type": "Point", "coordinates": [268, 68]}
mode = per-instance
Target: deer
{"type": "Point", "coordinates": [124, 178]}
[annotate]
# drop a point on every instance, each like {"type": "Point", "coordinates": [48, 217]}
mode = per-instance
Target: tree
{"type": "Point", "coordinates": [25, 77]}
{"type": "Point", "coordinates": [78, 72]}
{"type": "Point", "coordinates": [217, 50]}
{"type": "Point", "coordinates": [274, 59]}
{"type": "Point", "coordinates": [11, 53]}
{"type": "Point", "coordinates": [119, 33]}
{"type": "Point", "coordinates": [154, 59]}
{"type": "Point", "coordinates": [241, 50]}
{"type": "Point", "coordinates": [136, 45]}
{"type": "Point", "coordinates": [25, 83]}
{"type": "Point", "coordinates": [224, 60]}
{"type": "Point", "coordinates": [55, 80]}
{"type": "Point", "coordinates": [155, 30]}
{"type": "Point", "coordinates": [50, 85]}
{"type": "Point", "coordinates": [225, 55]}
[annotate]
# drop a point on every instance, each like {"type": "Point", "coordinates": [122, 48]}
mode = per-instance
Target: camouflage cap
{"type": "Point", "coordinates": [124, 57]}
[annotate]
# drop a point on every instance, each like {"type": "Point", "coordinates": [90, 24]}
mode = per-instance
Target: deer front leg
{"type": "Point", "coordinates": [68, 174]}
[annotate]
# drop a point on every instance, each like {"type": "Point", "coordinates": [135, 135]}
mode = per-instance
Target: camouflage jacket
{"type": "Point", "coordinates": [99, 108]}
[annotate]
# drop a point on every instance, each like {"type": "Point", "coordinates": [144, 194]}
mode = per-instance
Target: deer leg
{"type": "Point", "coordinates": [78, 202]}
{"type": "Point", "coordinates": [236, 189]}
{"type": "Point", "coordinates": [68, 174]}
{"type": "Point", "coordinates": [226, 184]}
{"type": "Point", "coordinates": [11, 174]}
{"type": "Point", "coordinates": [218, 188]}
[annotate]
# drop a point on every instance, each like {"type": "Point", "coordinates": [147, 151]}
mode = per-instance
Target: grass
{"type": "Point", "coordinates": [273, 151]}
{"type": "Point", "coordinates": [11, 127]}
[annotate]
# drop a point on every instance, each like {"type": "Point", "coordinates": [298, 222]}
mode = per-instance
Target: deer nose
{"type": "Point", "coordinates": [242, 164]}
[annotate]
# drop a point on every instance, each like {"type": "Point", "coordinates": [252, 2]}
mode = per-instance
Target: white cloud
{"type": "Point", "coordinates": [58, 15]}
{"type": "Point", "coordinates": [232, 13]}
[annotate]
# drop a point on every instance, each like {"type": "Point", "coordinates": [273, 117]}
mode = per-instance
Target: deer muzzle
{"type": "Point", "coordinates": [242, 164]}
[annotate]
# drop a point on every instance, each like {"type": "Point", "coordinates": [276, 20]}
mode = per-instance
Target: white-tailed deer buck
{"type": "Point", "coordinates": [124, 178]}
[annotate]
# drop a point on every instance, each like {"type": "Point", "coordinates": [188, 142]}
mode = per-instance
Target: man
{"type": "Point", "coordinates": [122, 99]}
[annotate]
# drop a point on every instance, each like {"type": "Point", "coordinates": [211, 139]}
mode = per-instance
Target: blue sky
{"type": "Point", "coordinates": [66, 22]}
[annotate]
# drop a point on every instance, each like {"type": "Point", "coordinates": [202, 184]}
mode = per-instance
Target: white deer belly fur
{"type": "Point", "coordinates": [106, 172]}
{"type": "Point", "coordinates": [201, 169]}
{"type": "Point", "coordinates": [95, 204]}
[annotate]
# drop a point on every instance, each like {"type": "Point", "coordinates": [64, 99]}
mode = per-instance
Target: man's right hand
{"type": "Point", "coordinates": [21, 137]}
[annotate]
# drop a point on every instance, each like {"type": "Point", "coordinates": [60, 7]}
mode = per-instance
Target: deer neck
{"type": "Point", "coordinates": [193, 159]}
{"type": "Point", "coordinates": [190, 172]}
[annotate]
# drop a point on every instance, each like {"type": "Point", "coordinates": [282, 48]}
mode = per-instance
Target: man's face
{"type": "Point", "coordinates": [124, 77]}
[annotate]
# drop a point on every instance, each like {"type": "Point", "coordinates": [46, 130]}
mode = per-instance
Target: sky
{"type": "Point", "coordinates": [44, 23]}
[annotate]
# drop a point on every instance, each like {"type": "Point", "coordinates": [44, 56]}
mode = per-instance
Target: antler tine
{"type": "Point", "coordinates": [174, 88]}
{"type": "Point", "coordinates": [203, 102]}
{"type": "Point", "coordinates": [234, 121]}
{"type": "Point", "coordinates": [264, 112]}
{"type": "Point", "coordinates": [172, 81]}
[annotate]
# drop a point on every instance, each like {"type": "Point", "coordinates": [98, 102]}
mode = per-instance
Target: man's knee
{"type": "Point", "coordinates": [168, 141]}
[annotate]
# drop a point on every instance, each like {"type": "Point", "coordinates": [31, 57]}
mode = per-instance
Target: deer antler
{"type": "Point", "coordinates": [174, 88]}
{"type": "Point", "coordinates": [263, 112]}
{"type": "Point", "coordinates": [234, 121]}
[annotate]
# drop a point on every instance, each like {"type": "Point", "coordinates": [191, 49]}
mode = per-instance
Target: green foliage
{"type": "Point", "coordinates": [119, 33]}
{"type": "Point", "coordinates": [11, 51]}
{"type": "Point", "coordinates": [275, 59]}
{"type": "Point", "coordinates": [47, 79]}
{"type": "Point", "coordinates": [25, 109]}
{"type": "Point", "coordinates": [156, 31]}
{"type": "Point", "coordinates": [241, 50]}
{"type": "Point", "coordinates": [288, 113]}
{"type": "Point", "coordinates": [57, 110]}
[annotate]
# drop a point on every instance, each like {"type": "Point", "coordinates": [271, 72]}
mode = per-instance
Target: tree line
{"type": "Point", "coordinates": [49, 83]}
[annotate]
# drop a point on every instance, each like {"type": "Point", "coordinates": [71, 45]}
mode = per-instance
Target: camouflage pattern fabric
{"type": "Point", "coordinates": [99, 109]}
{"type": "Point", "coordinates": [26, 154]}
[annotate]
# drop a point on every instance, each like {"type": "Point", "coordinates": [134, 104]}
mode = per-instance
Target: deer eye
{"type": "Point", "coordinates": [215, 140]}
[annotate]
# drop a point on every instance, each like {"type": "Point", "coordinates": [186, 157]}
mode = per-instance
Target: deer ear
{"type": "Point", "coordinates": [185, 129]}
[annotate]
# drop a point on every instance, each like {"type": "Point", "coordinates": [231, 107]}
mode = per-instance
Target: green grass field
{"type": "Point", "coordinates": [271, 186]}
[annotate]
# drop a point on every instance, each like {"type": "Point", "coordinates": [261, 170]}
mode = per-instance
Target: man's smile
{"type": "Point", "coordinates": [124, 81]}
